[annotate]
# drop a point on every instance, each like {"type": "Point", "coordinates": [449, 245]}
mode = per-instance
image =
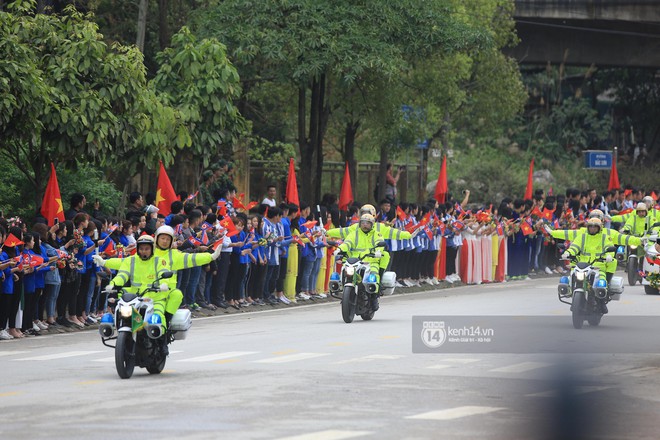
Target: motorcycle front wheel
{"type": "Point", "coordinates": [632, 271]}
{"type": "Point", "coordinates": [125, 355]}
{"type": "Point", "coordinates": [576, 308]}
{"type": "Point", "coordinates": [650, 290]}
{"type": "Point", "coordinates": [347, 308]}
{"type": "Point", "coordinates": [157, 368]}
{"type": "Point", "coordinates": [368, 316]}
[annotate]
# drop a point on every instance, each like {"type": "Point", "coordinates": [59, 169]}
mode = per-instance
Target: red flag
{"type": "Point", "coordinates": [526, 228]}
{"type": "Point", "coordinates": [51, 206]}
{"type": "Point", "coordinates": [110, 250]}
{"type": "Point", "coordinates": [429, 233]}
{"type": "Point", "coordinates": [654, 196]}
{"type": "Point", "coordinates": [194, 241]}
{"type": "Point", "coordinates": [310, 224]}
{"type": "Point", "coordinates": [530, 182]}
{"type": "Point", "coordinates": [626, 211]}
{"type": "Point", "coordinates": [614, 178]}
{"type": "Point", "coordinates": [112, 228]}
{"type": "Point", "coordinates": [292, 185]}
{"type": "Point", "coordinates": [536, 211]}
{"type": "Point", "coordinates": [12, 241]}
{"type": "Point", "coordinates": [550, 191]}
{"type": "Point", "coordinates": [228, 224]}
{"type": "Point", "coordinates": [441, 185]}
{"type": "Point", "coordinates": [400, 213]}
{"type": "Point", "coordinates": [500, 229]}
{"type": "Point", "coordinates": [296, 239]}
{"type": "Point", "coordinates": [165, 194]}
{"type": "Point", "coordinates": [192, 196]}
{"type": "Point", "coordinates": [205, 237]}
{"type": "Point", "coordinates": [222, 208]}
{"type": "Point", "coordinates": [346, 194]}
{"type": "Point", "coordinates": [251, 205]}
{"type": "Point", "coordinates": [238, 202]}
{"type": "Point", "coordinates": [547, 214]}
{"type": "Point", "coordinates": [426, 219]}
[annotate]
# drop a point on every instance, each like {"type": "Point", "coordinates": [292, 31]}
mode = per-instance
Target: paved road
{"type": "Point", "coordinates": [302, 373]}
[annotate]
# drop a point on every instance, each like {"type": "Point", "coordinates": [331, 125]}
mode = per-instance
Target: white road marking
{"type": "Point", "coordinates": [461, 360]}
{"type": "Point", "coordinates": [11, 353]}
{"type": "Point", "coordinates": [605, 369]}
{"type": "Point", "coordinates": [577, 390]}
{"type": "Point", "coordinates": [66, 354]}
{"type": "Point", "coordinates": [455, 413]}
{"type": "Point", "coordinates": [370, 358]}
{"type": "Point", "coordinates": [521, 367]}
{"type": "Point", "coordinates": [291, 358]}
{"type": "Point", "coordinates": [638, 372]}
{"type": "Point", "coordinates": [331, 434]}
{"type": "Point", "coordinates": [218, 356]}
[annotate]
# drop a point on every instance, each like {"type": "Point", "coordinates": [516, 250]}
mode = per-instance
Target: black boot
{"type": "Point", "coordinates": [168, 319]}
{"type": "Point", "coordinates": [374, 302]}
{"type": "Point", "coordinates": [603, 308]}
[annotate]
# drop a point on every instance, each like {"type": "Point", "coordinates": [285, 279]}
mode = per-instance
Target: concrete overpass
{"type": "Point", "coordinates": [585, 32]}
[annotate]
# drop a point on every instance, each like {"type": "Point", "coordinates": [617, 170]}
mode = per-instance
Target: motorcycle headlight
{"type": "Point", "coordinates": [633, 246]}
{"type": "Point", "coordinates": [126, 311]}
{"type": "Point", "coordinates": [579, 276]}
{"type": "Point", "coordinates": [350, 270]}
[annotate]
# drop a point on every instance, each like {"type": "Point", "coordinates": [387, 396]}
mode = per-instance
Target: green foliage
{"type": "Point", "coordinates": [276, 153]}
{"type": "Point", "coordinates": [201, 83]}
{"type": "Point", "coordinates": [72, 96]}
{"type": "Point", "coordinates": [92, 183]}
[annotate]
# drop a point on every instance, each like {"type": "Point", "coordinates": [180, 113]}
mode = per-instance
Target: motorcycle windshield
{"type": "Point", "coordinates": [582, 265]}
{"type": "Point", "coordinates": [353, 260]}
{"type": "Point", "coordinates": [128, 297]}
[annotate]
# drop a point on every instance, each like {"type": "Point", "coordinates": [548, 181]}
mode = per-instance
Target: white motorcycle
{"type": "Point", "coordinates": [651, 267]}
{"type": "Point", "coordinates": [588, 293]}
{"type": "Point", "coordinates": [139, 332]}
{"type": "Point", "coordinates": [357, 285]}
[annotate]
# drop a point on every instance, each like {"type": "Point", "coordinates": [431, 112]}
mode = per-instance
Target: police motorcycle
{"type": "Point", "coordinates": [587, 292]}
{"type": "Point", "coordinates": [651, 266]}
{"type": "Point", "coordinates": [138, 331]}
{"type": "Point", "coordinates": [357, 284]}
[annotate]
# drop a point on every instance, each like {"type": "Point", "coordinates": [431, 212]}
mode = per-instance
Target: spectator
{"type": "Point", "coordinates": [391, 182]}
{"type": "Point", "coordinates": [77, 203]}
{"type": "Point", "coordinates": [271, 192]}
{"type": "Point", "coordinates": [136, 205]}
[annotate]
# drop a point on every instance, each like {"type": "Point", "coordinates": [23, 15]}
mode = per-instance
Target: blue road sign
{"type": "Point", "coordinates": [598, 160]}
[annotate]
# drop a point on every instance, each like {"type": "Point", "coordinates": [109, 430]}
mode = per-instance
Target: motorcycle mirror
{"type": "Point", "coordinates": [655, 224]}
{"type": "Point", "coordinates": [611, 249]}
{"type": "Point", "coordinates": [168, 274]}
{"type": "Point", "coordinates": [381, 244]}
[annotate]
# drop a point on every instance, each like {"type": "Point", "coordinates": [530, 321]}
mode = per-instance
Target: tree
{"type": "Point", "coordinates": [73, 96]}
{"type": "Point", "coordinates": [320, 46]}
{"type": "Point", "coordinates": [197, 79]}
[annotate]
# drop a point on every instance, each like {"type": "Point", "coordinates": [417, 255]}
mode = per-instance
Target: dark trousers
{"type": "Point", "coordinates": [29, 304]}
{"type": "Point", "coordinates": [41, 304]}
{"type": "Point", "coordinates": [8, 309]}
{"type": "Point", "coordinates": [272, 273]}
{"type": "Point", "coordinates": [81, 296]}
{"type": "Point", "coordinates": [451, 260]}
{"type": "Point", "coordinates": [220, 278]}
{"type": "Point", "coordinates": [67, 297]}
{"type": "Point", "coordinates": [256, 283]}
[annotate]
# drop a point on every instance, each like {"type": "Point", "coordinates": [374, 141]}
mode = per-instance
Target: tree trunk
{"type": "Point", "coordinates": [142, 24]}
{"type": "Point", "coordinates": [382, 173]}
{"type": "Point", "coordinates": [163, 25]}
{"type": "Point", "coordinates": [306, 159]}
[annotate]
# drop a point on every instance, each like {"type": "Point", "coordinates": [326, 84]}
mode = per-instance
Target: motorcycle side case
{"type": "Point", "coordinates": [181, 322]}
{"type": "Point", "coordinates": [388, 281]}
{"type": "Point", "coordinates": [616, 288]}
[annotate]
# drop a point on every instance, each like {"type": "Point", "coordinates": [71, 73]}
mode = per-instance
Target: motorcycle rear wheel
{"type": "Point", "coordinates": [594, 320]}
{"type": "Point", "coordinates": [578, 317]}
{"type": "Point", "coordinates": [347, 309]}
{"type": "Point", "coordinates": [157, 368]}
{"type": "Point", "coordinates": [125, 355]}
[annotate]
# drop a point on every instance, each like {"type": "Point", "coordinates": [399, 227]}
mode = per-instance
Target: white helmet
{"type": "Point", "coordinates": [167, 230]}
{"type": "Point", "coordinates": [641, 207]}
{"type": "Point", "coordinates": [368, 209]}
{"type": "Point", "coordinates": [597, 213]}
{"type": "Point", "coordinates": [145, 239]}
{"type": "Point", "coordinates": [648, 201]}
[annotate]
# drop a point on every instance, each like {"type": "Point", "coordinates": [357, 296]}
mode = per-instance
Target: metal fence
{"type": "Point", "coordinates": [261, 175]}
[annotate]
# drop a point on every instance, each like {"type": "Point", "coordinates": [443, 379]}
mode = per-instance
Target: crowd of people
{"type": "Point", "coordinates": [273, 252]}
